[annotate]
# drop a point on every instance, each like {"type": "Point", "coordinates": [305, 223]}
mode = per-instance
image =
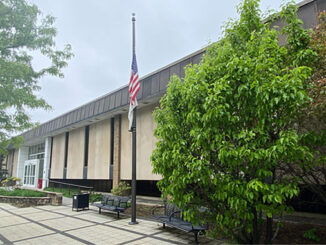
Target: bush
{"type": "Point", "coordinates": [122, 189]}
{"type": "Point", "coordinates": [10, 181]}
{"type": "Point", "coordinates": [95, 197]}
{"type": "Point", "coordinates": [311, 235]}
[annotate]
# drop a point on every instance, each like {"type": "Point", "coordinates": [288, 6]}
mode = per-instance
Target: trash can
{"type": "Point", "coordinates": [80, 201]}
{"type": "Point", "coordinates": [39, 183]}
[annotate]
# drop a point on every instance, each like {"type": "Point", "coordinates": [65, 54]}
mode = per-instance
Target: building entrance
{"type": "Point", "coordinates": [31, 172]}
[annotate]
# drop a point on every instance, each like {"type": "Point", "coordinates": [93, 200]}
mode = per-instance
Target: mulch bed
{"type": "Point", "coordinates": [144, 211]}
{"type": "Point", "coordinates": [290, 233]}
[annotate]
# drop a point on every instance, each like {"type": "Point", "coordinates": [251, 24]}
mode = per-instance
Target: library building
{"type": "Point", "coordinates": [91, 145]}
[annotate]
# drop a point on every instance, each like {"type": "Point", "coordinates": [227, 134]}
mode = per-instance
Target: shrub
{"type": "Point", "coordinates": [122, 189]}
{"type": "Point", "coordinates": [95, 197]}
{"type": "Point", "coordinates": [11, 181]}
{"type": "Point", "coordinates": [311, 235]}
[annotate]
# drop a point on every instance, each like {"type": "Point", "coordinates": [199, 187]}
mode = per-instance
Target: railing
{"type": "Point", "coordinates": [58, 184]}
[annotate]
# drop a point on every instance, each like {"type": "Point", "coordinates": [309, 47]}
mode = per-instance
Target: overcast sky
{"type": "Point", "coordinates": [100, 34]}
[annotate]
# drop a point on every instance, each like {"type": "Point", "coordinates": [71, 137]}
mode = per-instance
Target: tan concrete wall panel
{"type": "Point", "coordinates": [125, 171]}
{"type": "Point", "coordinates": [99, 150]}
{"type": "Point", "coordinates": [75, 162]}
{"type": "Point", "coordinates": [145, 145]}
{"type": "Point", "coordinates": [58, 155]}
{"type": "Point", "coordinates": [9, 162]}
{"type": "Point", "coordinates": [14, 167]}
{"type": "Point", "coordinates": [116, 151]}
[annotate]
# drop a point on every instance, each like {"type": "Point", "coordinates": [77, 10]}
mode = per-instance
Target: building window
{"type": "Point", "coordinates": [66, 149]}
{"type": "Point", "coordinates": [36, 151]}
{"type": "Point", "coordinates": [86, 146]}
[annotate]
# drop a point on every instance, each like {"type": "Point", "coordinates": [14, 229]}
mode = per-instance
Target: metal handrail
{"type": "Point", "coordinates": [89, 188]}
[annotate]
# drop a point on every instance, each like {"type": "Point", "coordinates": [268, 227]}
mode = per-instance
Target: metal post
{"type": "Point", "coordinates": [133, 180]}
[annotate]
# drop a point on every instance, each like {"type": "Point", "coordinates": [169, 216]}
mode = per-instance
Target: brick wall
{"type": "Point", "coordinates": [116, 150]}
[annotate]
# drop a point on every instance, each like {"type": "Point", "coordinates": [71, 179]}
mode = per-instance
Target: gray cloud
{"type": "Point", "coordinates": [100, 34]}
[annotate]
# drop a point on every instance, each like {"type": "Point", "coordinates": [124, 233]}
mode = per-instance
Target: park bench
{"type": "Point", "coordinates": [173, 216]}
{"type": "Point", "coordinates": [112, 203]}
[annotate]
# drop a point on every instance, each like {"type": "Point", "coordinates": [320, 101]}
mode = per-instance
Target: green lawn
{"type": "Point", "coordinates": [68, 193]}
{"type": "Point", "coordinates": [65, 192]}
{"type": "Point", "coordinates": [22, 193]}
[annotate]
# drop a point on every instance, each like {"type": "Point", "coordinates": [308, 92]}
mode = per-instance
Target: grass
{"type": "Point", "coordinates": [22, 193]}
{"type": "Point", "coordinates": [65, 192]}
{"type": "Point", "coordinates": [93, 197]}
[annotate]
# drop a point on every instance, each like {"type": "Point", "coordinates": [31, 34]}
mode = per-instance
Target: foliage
{"type": "Point", "coordinates": [10, 181]}
{"type": "Point", "coordinates": [311, 234]}
{"type": "Point", "coordinates": [23, 34]}
{"type": "Point", "coordinates": [224, 129]}
{"type": "Point", "coordinates": [95, 197]}
{"type": "Point", "coordinates": [22, 193]}
{"type": "Point", "coordinates": [312, 120]}
{"type": "Point", "coordinates": [122, 189]}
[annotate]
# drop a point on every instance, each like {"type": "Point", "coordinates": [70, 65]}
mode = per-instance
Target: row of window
{"type": "Point", "coordinates": [36, 151]}
{"type": "Point", "coordinates": [36, 148]}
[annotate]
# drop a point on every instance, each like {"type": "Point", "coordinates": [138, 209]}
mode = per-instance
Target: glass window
{"type": "Point", "coordinates": [36, 151]}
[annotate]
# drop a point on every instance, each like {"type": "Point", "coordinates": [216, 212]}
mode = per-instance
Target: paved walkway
{"type": "Point", "coordinates": [61, 225]}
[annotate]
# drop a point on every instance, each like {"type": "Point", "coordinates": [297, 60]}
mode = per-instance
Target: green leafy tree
{"type": "Point", "coordinates": [224, 130]}
{"type": "Point", "coordinates": [23, 33]}
{"type": "Point", "coordinates": [312, 121]}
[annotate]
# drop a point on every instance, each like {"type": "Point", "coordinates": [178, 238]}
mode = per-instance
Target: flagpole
{"type": "Point", "coordinates": [133, 129]}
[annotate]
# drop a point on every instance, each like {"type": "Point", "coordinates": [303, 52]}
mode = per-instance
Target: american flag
{"type": "Point", "coordinates": [134, 87]}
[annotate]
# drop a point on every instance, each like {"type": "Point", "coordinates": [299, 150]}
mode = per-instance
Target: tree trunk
{"type": "Point", "coordinates": [256, 230]}
{"type": "Point", "coordinates": [269, 230]}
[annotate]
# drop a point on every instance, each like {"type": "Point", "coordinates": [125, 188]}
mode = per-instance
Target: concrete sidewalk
{"type": "Point", "coordinates": [61, 225]}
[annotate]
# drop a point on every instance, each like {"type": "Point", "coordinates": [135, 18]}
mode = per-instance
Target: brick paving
{"type": "Point", "coordinates": [61, 225]}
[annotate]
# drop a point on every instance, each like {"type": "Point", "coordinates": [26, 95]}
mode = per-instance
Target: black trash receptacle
{"type": "Point", "coordinates": [80, 201]}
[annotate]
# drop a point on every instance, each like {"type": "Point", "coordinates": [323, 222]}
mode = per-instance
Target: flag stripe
{"type": "Point", "coordinates": [134, 87]}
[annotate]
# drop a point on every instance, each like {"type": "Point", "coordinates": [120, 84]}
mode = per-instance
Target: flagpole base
{"type": "Point", "coordinates": [133, 223]}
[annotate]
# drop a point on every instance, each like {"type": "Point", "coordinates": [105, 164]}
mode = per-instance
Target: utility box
{"type": "Point", "coordinates": [80, 201]}
{"type": "Point", "coordinates": [39, 183]}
